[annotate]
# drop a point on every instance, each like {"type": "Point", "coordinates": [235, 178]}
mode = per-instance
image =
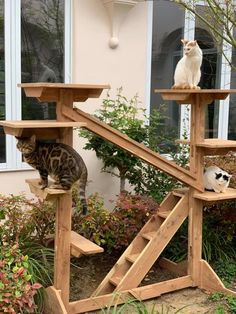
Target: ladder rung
{"type": "Point", "coordinates": [179, 194]}
{"type": "Point", "coordinates": [164, 214]}
{"type": "Point", "coordinates": [149, 235]}
{"type": "Point", "coordinates": [115, 279]}
{"type": "Point", "coordinates": [132, 257]}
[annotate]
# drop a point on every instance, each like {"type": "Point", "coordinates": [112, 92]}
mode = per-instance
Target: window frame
{"type": "Point", "coordinates": [225, 78]}
{"type": "Point", "coordinates": [12, 48]}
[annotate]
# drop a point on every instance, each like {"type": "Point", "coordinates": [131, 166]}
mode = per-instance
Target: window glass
{"type": "Point", "coordinates": [166, 51]}
{"type": "Point", "coordinates": [42, 51]}
{"type": "Point", "coordinates": [232, 103]}
{"type": "Point", "coordinates": [2, 85]}
{"type": "Point", "coordinates": [210, 70]}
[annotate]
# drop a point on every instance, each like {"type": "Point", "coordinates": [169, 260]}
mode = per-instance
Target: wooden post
{"type": "Point", "coordinates": [63, 213]}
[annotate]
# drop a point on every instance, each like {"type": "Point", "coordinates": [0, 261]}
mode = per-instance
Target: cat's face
{"type": "Point", "coordinates": [26, 145]}
{"type": "Point", "coordinates": [189, 47]}
{"type": "Point", "coordinates": [222, 178]}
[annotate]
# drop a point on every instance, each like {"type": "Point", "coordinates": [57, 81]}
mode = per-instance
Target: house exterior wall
{"type": "Point", "coordinates": [94, 62]}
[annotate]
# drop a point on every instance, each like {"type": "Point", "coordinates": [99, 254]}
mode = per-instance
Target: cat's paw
{"type": "Point", "coordinates": [175, 87]}
{"type": "Point", "coordinates": [42, 185]}
{"type": "Point", "coordinates": [196, 87]}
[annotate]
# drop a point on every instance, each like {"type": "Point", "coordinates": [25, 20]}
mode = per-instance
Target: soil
{"type": "Point", "coordinates": [89, 271]}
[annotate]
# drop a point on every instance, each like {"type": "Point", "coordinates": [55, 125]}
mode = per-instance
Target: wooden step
{"type": "Point", "coordinates": [149, 235]}
{"type": "Point", "coordinates": [180, 192]}
{"type": "Point", "coordinates": [213, 196]}
{"type": "Point", "coordinates": [145, 248]}
{"type": "Point", "coordinates": [115, 279]}
{"type": "Point", "coordinates": [47, 193]}
{"type": "Point", "coordinates": [216, 146]}
{"type": "Point", "coordinates": [80, 245]}
{"type": "Point", "coordinates": [132, 257]}
{"type": "Point", "coordinates": [164, 214]}
{"type": "Point", "coordinates": [47, 129]}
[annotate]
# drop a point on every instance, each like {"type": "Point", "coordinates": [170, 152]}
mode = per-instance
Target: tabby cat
{"type": "Point", "coordinates": [60, 161]}
{"type": "Point", "coordinates": [187, 73]}
{"type": "Point", "coordinates": [216, 180]}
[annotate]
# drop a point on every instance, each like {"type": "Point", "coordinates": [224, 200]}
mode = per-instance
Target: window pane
{"type": "Point", "coordinates": [42, 51]}
{"type": "Point", "coordinates": [232, 103]}
{"type": "Point", "coordinates": [210, 69]}
{"type": "Point", "coordinates": [2, 85]}
{"type": "Point", "coordinates": [166, 51]}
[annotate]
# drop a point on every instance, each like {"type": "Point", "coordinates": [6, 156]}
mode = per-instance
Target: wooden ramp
{"type": "Point", "coordinates": [141, 151]}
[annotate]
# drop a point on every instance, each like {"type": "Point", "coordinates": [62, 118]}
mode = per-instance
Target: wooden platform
{"type": "Point", "coordinates": [47, 194]}
{"type": "Point", "coordinates": [47, 129]}
{"type": "Point", "coordinates": [213, 196]}
{"type": "Point", "coordinates": [53, 92]}
{"type": "Point", "coordinates": [188, 96]}
{"type": "Point", "coordinates": [82, 246]}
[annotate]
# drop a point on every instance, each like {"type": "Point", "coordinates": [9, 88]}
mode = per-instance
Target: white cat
{"type": "Point", "coordinates": [216, 179]}
{"type": "Point", "coordinates": [187, 72]}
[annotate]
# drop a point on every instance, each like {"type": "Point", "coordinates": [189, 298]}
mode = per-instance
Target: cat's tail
{"type": "Point", "coordinates": [82, 190]}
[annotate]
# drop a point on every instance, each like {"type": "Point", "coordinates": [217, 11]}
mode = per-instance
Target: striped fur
{"type": "Point", "coordinates": [59, 161]}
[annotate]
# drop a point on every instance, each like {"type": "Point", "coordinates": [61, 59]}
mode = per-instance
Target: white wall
{"type": "Point", "coordinates": [95, 62]}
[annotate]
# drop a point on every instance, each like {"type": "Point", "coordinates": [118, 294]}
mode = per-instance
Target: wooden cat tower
{"type": "Point", "coordinates": [122, 282]}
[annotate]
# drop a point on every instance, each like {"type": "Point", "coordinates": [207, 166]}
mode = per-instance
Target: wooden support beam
{"type": "Point", "coordinates": [210, 281]}
{"type": "Point", "coordinates": [132, 146]}
{"type": "Point", "coordinates": [179, 269]}
{"type": "Point", "coordinates": [53, 303]}
{"type": "Point", "coordinates": [140, 293]}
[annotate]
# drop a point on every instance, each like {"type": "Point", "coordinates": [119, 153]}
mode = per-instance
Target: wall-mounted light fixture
{"type": "Point", "coordinates": [117, 10]}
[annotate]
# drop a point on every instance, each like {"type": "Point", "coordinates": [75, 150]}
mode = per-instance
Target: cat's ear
{"type": "Point", "coordinates": [194, 43]}
{"type": "Point", "coordinates": [184, 41]}
{"type": "Point", "coordinates": [33, 138]}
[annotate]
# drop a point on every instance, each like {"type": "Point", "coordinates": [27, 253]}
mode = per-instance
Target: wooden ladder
{"type": "Point", "coordinates": [147, 246]}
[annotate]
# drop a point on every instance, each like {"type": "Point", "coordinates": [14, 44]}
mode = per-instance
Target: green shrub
{"type": "Point", "coordinates": [116, 229]}
{"type": "Point", "coordinates": [16, 289]}
{"type": "Point", "coordinates": [29, 224]}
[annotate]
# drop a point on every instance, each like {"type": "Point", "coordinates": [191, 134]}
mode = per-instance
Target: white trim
{"type": "Point", "coordinates": [68, 42]}
{"type": "Point", "coordinates": [185, 110]}
{"type": "Point", "coordinates": [12, 74]}
{"type": "Point", "coordinates": [223, 121]}
{"type": "Point", "coordinates": [149, 56]}
{"type": "Point", "coordinates": [12, 46]}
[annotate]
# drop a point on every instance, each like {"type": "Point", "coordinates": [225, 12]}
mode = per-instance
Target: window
{"type": "Point", "coordinates": [2, 85]}
{"type": "Point", "coordinates": [167, 50]}
{"type": "Point", "coordinates": [37, 48]}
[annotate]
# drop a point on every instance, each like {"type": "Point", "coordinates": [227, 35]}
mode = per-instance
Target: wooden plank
{"type": "Point", "coordinates": [179, 269]}
{"type": "Point", "coordinates": [230, 193]}
{"type": "Point", "coordinates": [51, 91]}
{"type": "Point", "coordinates": [197, 91]}
{"type": "Point", "coordinates": [216, 143]}
{"type": "Point", "coordinates": [62, 247]}
{"type": "Point", "coordinates": [211, 282]}
{"type": "Point", "coordinates": [16, 124]}
{"type": "Point", "coordinates": [140, 293]}
{"type": "Point", "coordinates": [195, 237]}
{"type": "Point", "coordinates": [83, 245]}
{"type": "Point", "coordinates": [42, 129]}
{"type": "Point", "coordinates": [47, 193]}
{"type": "Point", "coordinates": [53, 303]}
{"type": "Point", "coordinates": [132, 146]}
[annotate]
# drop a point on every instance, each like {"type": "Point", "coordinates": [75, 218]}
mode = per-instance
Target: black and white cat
{"type": "Point", "coordinates": [187, 73]}
{"type": "Point", "coordinates": [216, 179]}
